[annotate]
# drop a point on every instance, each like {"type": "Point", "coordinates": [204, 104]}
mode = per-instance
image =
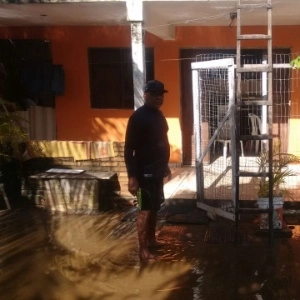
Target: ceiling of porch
{"type": "Point", "coordinates": [160, 17]}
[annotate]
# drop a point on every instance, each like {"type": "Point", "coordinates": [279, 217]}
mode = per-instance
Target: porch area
{"type": "Point", "coordinates": [218, 183]}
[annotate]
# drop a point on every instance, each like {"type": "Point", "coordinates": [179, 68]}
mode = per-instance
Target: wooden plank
{"type": "Point", "coordinates": [216, 210]}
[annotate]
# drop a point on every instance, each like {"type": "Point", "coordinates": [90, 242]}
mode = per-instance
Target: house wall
{"type": "Point", "coordinates": [77, 121]}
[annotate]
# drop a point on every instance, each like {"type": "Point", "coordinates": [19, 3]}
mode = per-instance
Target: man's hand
{"type": "Point", "coordinates": [168, 174]}
{"type": "Point", "coordinates": [133, 186]}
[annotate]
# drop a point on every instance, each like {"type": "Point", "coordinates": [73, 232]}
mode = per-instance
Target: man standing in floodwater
{"type": "Point", "coordinates": [147, 153]}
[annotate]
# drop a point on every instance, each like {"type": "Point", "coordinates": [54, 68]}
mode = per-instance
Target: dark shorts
{"type": "Point", "coordinates": [151, 194]}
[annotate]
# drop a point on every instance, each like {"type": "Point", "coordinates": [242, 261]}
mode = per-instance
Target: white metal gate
{"type": "Point", "coordinates": [213, 98]}
{"type": "Point", "coordinates": [213, 105]}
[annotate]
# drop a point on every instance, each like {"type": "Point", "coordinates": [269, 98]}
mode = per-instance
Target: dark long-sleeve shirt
{"type": "Point", "coordinates": [147, 148]}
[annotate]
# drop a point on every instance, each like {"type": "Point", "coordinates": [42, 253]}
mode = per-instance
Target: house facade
{"type": "Point", "coordinates": [96, 57]}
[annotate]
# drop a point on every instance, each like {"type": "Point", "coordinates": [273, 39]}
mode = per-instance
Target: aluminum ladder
{"type": "Point", "coordinates": [265, 103]}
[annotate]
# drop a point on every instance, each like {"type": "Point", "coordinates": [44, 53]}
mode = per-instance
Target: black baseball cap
{"type": "Point", "coordinates": [154, 86]}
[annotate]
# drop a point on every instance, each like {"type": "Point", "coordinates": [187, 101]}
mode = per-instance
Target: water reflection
{"type": "Point", "coordinates": [70, 257]}
{"type": "Point", "coordinates": [296, 232]}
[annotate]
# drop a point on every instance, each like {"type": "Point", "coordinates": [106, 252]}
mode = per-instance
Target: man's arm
{"type": "Point", "coordinates": [168, 174]}
{"type": "Point", "coordinates": [133, 185]}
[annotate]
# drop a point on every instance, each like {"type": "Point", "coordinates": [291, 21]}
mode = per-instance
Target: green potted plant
{"type": "Point", "coordinates": [280, 173]}
{"type": "Point", "coordinates": [13, 146]}
{"type": "Point", "coordinates": [11, 135]}
{"type": "Point", "coordinates": [295, 63]}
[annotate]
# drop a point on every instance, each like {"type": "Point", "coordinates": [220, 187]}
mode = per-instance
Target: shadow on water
{"type": "Point", "coordinates": [76, 257]}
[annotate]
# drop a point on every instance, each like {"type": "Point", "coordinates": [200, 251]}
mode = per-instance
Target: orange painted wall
{"type": "Point", "coordinates": [75, 119]}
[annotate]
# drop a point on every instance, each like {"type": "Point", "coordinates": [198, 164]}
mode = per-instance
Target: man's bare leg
{"type": "Point", "coordinates": [152, 242]}
{"type": "Point", "coordinates": [143, 225]}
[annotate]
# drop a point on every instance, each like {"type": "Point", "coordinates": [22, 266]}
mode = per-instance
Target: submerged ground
{"type": "Point", "coordinates": [74, 257]}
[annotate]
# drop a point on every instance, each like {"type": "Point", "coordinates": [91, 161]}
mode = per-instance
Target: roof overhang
{"type": "Point", "coordinates": [160, 17]}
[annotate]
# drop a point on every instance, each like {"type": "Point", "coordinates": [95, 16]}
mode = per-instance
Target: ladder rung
{"type": "Point", "coordinates": [254, 103]}
{"type": "Point", "coordinates": [254, 37]}
{"type": "Point", "coordinates": [254, 68]}
{"type": "Point", "coordinates": [253, 174]}
{"type": "Point", "coordinates": [252, 6]}
{"type": "Point", "coordinates": [261, 137]}
{"type": "Point", "coordinates": [254, 210]}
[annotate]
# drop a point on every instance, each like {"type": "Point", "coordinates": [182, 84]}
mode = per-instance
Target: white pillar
{"type": "Point", "coordinates": [135, 17]}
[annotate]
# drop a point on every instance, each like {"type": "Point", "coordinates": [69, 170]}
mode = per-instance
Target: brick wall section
{"type": "Point", "coordinates": [114, 164]}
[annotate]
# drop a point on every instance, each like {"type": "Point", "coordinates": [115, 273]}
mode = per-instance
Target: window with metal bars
{"type": "Point", "coordinates": [111, 77]}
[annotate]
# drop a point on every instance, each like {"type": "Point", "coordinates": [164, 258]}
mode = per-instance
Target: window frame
{"type": "Point", "coordinates": [111, 76]}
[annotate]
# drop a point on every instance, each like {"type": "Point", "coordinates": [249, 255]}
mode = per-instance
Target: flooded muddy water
{"type": "Point", "coordinates": [77, 257]}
